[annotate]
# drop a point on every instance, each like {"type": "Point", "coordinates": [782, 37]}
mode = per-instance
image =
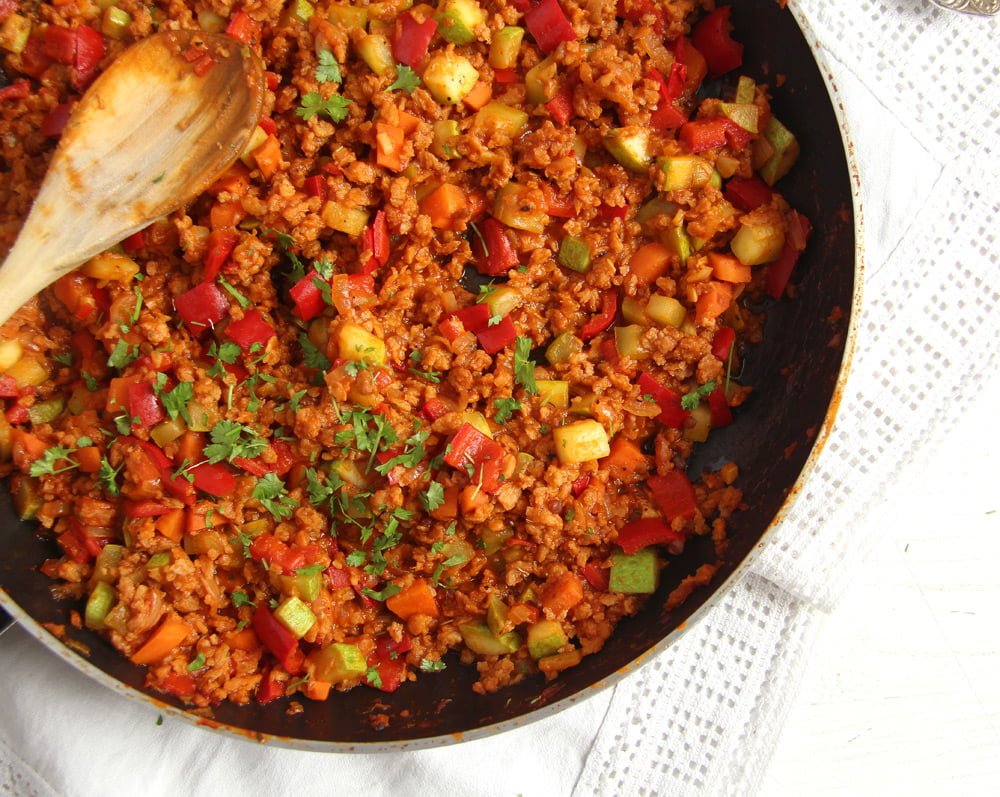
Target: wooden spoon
{"type": "Point", "coordinates": [148, 136]}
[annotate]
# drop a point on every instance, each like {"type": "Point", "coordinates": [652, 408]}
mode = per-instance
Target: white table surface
{"type": "Point", "coordinates": [902, 691]}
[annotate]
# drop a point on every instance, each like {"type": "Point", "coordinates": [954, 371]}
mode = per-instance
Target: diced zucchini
{"type": "Point", "coordinates": [10, 353]}
{"type": "Point", "coordinates": [202, 420]}
{"type": "Point", "coordinates": [158, 560]}
{"type": "Point", "coordinates": [111, 267]}
{"type": "Point", "coordinates": [376, 51]}
{"type": "Point", "coordinates": [786, 151]}
{"type": "Point", "coordinates": [574, 254]}
{"type": "Point", "coordinates": [107, 563]}
{"type": "Point", "coordinates": [583, 405]}
{"type": "Point", "coordinates": [46, 411]}
{"type": "Point", "coordinates": [296, 617]}
{"type": "Point", "coordinates": [677, 241]}
{"type": "Point", "coordinates": [458, 19]}
{"type": "Point", "coordinates": [746, 90]}
{"type": "Point", "coordinates": [502, 118]}
{"type": "Point", "coordinates": [582, 441]}
{"type": "Point", "coordinates": [348, 470]}
{"type": "Point", "coordinates": [302, 585]}
{"type": "Point", "coordinates": [203, 542]}
{"type": "Point", "coordinates": [477, 420]}
{"type": "Point", "coordinates": [638, 573]}
{"type": "Point", "coordinates": [634, 312]}
{"type": "Point", "coordinates": [754, 244]}
{"type": "Point", "coordinates": [744, 114]}
{"type": "Point", "coordinates": [657, 206]}
{"type": "Point", "coordinates": [701, 417]}
{"type": "Point", "coordinates": [666, 310]}
{"type": "Point", "coordinates": [685, 171]}
{"type": "Point", "coordinates": [14, 33]}
{"type": "Point", "coordinates": [301, 11]}
{"type": "Point", "coordinates": [630, 147]}
{"type": "Point", "coordinates": [358, 345]}
{"type": "Point", "coordinates": [210, 22]}
{"type": "Point", "coordinates": [347, 15]}
{"type": "Point", "coordinates": [168, 431]}
{"type": "Point", "coordinates": [446, 132]}
{"type": "Point", "coordinates": [496, 615]}
{"type": "Point", "coordinates": [726, 166]}
{"type": "Point", "coordinates": [503, 300]}
{"type": "Point", "coordinates": [554, 392]}
{"type": "Point", "coordinates": [458, 551]}
{"type": "Point", "coordinates": [493, 541]}
{"type": "Point", "coordinates": [545, 638]}
{"type": "Point", "coordinates": [101, 599]}
{"type": "Point", "coordinates": [449, 77]}
{"type": "Point", "coordinates": [505, 47]}
{"type": "Point", "coordinates": [28, 372]}
{"type": "Point", "coordinates": [257, 137]}
{"type": "Point", "coordinates": [338, 662]}
{"type": "Point", "coordinates": [27, 497]}
{"type": "Point", "coordinates": [479, 639]}
{"type": "Point", "coordinates": [563, 347]}
{"type": "Point", "coordinates": [628, 341]}
{"type": "Point", "coordinates": [351, 221]}
{"type": "Point", "coordinates": [115, 22]}
{"type": "Point", "coordinates": [521, 207]}
{"type": "Point", "coordinates": [540, 82]}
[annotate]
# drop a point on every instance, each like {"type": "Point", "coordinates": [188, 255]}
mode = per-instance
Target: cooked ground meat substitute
{"type": "Point", "coordinates": [422, 371]}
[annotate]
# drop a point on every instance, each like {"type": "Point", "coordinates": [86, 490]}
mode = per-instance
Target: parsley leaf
{"type": "Point", "coordinates": [387, 592]}
{"type": "Point", "coordinates": [373, 677]}
{"type": "Point", "coordinates": [311, 355]}
{"type": "Point", "coordinates": [175, 401]}
{"type": "Point", "coordinates": [451, 561]}
{"type": "Point", "coordinates": [429, 665]}
{"type": "Point", "coordinates": [197, 663]}
{"type": "Point", "coordinates": [241, 599]}
{"type": "Point", "coordinates": [328, 70]}
{"type": "Point", "coordinates": [411, 456]}
{"type": "Point", "coordinates": [242, 300]}
{"type": "Point", "coordinates": [430, 376]}
{"type": "Point", "coordinates": [122, 355]}
{"type": "Point", "coordinates": [355, 558]}
{"type": "Point", "coordinates": [406, 79]}
{"type": "Point", "coordinates": [296, 399]}
{"type": "Point", "coordinates": [432, 497]}
{"type": "Point", "coordinates": [309, 571]}
{"type": "Point", "coordinates": [231, 440]}
{"type": "Point", "coordinates": [690, 401]}
{"type": "Point", "coordinates": [324, 290]}
{"type": "Point", "coordinates": [524, 368]}
{"type": "Point", "coordinates": [89, 381]}
{"type": "Point", "coordinates": [313, 104]}
{"type": "Point", "coordinates": [505, 409]}
{"type": "Point", "coordinates": [46, 465]}
{"type": "Point", "coordinates": [64, 358]}
{"type": "Point", "coordinates": [224, 354]}
{"type": "Point", "coordinates": [270, 491]}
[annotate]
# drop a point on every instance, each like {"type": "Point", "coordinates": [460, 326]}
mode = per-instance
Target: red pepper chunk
{"type": "Point", "coordinates": [243, 28]}
{"type": "Point", "coordinates": [250, 330]}
{"type": "Point", "coordinates": [504, 76]}
{"type": "Point", "coordinates": [780, 271]}
{"type": "Point", "coordinates": [55, 120]}
{"type": "Point", "coordinates": [667, 117]}
{"type": "Point", "coordinates": [18, 90]}
{"type": "Point", "coordinates": [316, 186]}
{"type": "Point", "coordinates": [499, 256]}
{"type": "Point", "coordinates": [411, 39]}
{"type": "Point", "coordinates": [604, 318]}
{"type": "Point", "coordinates": [497, 337]}
{"type": "Point", "coordinates": [202, 306]}
{"type": "Point", "coordinates": [723, 342]}
{"type": "Point", "coordinates": [179, 684]}
{"type": "Point", "coordinates": [308, 298]}
{"type": "Point", "coordinates": [220, 246]}
{"type": "Point", "coordinates": [376, 238]}
{"type": "Point", "coordinates": [433, 409]}
{"type": "Point", "coordinates": [213, 478]}
{"type": "Point", "coordinates": [548, 25]}
{"type": "Point", "coordinates": [59, 44]}
{"type": "Point", "coordinates": [144, 405]}
{"type": "Point", "coordinates": [389, 661]}
{"type": "Point", "coordinates": [178, 487]}
{"type": "Point", "coordinates": [468, 447]}
{"type": "Point", "coordinates": [598, 578]}
{"type": "Point", "coordinates": [748, 193]}
{"type": "Point", "coordinates": [633, 537]}
{"type": "Point", "coordinates": [561, 106]}
{"type": "Point", "coordinates": [8, 387]}
{"type": "Point", "coordinates": [87, 59]}
{"type": "Point", "coordinates": [712, 38]}
{"type": "Point", "coordinates": [269, 688]}
{"type": "Point", "coordinates": [672, 414]}
{"type": "Point", "coordinates": [718, 406]}
{"type": "Point", "coordinates": [704, 134]}
{"type": "Point", "coordinates": [674, 495]}
{"type": "Point", "coordinates": [580, 485]}
{"type": "Point", "coordinates": [277, 639]}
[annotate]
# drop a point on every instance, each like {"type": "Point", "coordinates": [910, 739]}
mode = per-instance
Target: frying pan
{"type": "Point", "coordinates": [797, 374]}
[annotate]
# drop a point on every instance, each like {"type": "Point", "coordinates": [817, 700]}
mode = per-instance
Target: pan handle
{"type": "Point", "coordinates": [6, 621]}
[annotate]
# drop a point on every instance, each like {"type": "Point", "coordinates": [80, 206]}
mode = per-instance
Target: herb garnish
{"type": "Point", "coordinates": [524, 368]}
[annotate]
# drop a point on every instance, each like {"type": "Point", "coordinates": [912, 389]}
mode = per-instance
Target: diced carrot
{"type": "Point", "coordinates": [447, 207]}
{"type": "Point", "coordinates": [190, 447]}
{"type": "Point", "coordinates": [558, 205]}
{"type": "Point", "coordinates": [76, 293]}
{"type": "Point", "coordinates": [117, 400]}
{"type": "Point", "coordinates": [471, 498]}
{"type": "Point", "coordinates": [243, 640]}
{"type": "Point", "coordinates": [713, 302]}
{"type": "Point", "coordinates": [268, 157]}
{"type": "Point", "coordinates": [235, 181]}
{"type": "Point", "coordinates": [389, 141]}
{"type": "Point", "coordinates": [197, 517]}
{"type": "Point", "coordinates": [171, 525]}
{"type": "Point", "coordinates": [226, 214]}
{"type": "Point", "coordinates": [169, 635]}
{"type": "Point", "coordinates": [625, 460]}
{"type": "Point", "coordinates": [449, 507]}
{"type": "Point", "coordinates": [408, 122]}
{"type": "Point", "coordinates": [523, 613]}
{"type": "Point", "coordinates": [563, 594]}
{"type": "Point", "coordinates": [650, 262]}
{"type": "Point", "coordinates": [727, 268]}
{"type": "Point", "coordinates": [479, 96]}
{"type": "Point", "coordinates": [418, 598]}
{"type": "Point", "coordinates": [558, 662]}
{"type": "Point", "coordinates": [26, 447]}
{"type": "Point", "coordinates": [89, 458]}
{"type": "Point", "coordinates": [317, 690]}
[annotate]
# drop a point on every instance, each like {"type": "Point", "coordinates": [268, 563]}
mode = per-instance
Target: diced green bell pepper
{"type": "Point", "coordinates": [637, 573]}
{"type": "Point", "coordinates": [107, 563]}
{"type": "Point", "coordinates": [630, 147]}
{"type": "Point", "coordinates": [458, 19]}
{"type": "Point", "coordinates": [46, 411]}
{"type": "Point", "coordinates": [496, 615]}
{"type": "Point", "coordinates": [574, 254]}
{"type": "Point", "coordinates": [786, 151]}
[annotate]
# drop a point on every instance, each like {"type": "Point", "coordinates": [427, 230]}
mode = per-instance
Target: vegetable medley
{"type": "Point", "coordinates": [420, 374]}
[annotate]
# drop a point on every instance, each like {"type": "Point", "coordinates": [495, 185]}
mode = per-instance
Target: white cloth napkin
{"type": "Point", "coordinates": [922, 96]}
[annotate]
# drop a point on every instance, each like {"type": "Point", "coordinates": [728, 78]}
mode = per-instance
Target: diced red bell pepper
{"type": "Point", "coordinates": [499, 256]}
{"type": "Point", "coordinates": [548, 24]}
{"type": "Point", "coordinates": [474, 317]}
{"type": "Point", "coordinates": [220, 246]}
{"type": "Point", "coordinates": [389, 661]}
{"type": "Point", "coordinates": [558, 205]}
{"type": "Point", "coordinates": [213, 478]}
{"type": "Point", "coordinates": [497, 337]}
{"type": "Point", "coordinates": [748, 193]}
{"type": "Point", "coordinates": [135, 509]}
{"type": "Point", "coordinates": [376, 239]}
{"type": "Point", "coordinates": [268, 125]}
{"type": "Point", "coordinates": [8, 7]}
{"type": "Point", "coordinates": [672, 414]}
{"type": "Point", "coordinates": [269, 688]}
{"type": "Point", "coordinates": [667, 117]}
{"type": "Point", "coordinates": [18, 90]}
{"type": "Point", "coordinates": [598, 578]}
{"type": "Point", "coordinates": [469, 446]}
{"type": "Point", "coordinates": [144, 405]}
{"type": "Point", "coordinates": [134, 243]}
{"type": "Point", "coordinates": [780, 271]}
{"type": "Point", "coordinates": [277, 639]}
{"type": "Point", "coordinates": [249, 330]}
{"type": "Point", "coordinates": [673, 495]}
{"type": "Point", "coordinates": [55, 120]}
{"type": "Point", "coordinates": [639, 534]}
{"type": "Point", "coordinates": [179, 684]}
{"type": "Point", "coordinates": [267, 547]}
{"type": "Point", "coordinates": [284, 459]}
{"type": "Point", "coordinates": [433, 409]}
{"type": "Point", "coordinates": [243, 28]}
{"type": "Point", "coordinates": [671, 87]}
{"type": "Point", "coordinates": [703, 134]}
{"type": "Point", "coordinates": [712, 38]}
{"type": "Point", "coordinates": [604, 318]}
{"type": "Point", "coordinates": [723, 342]}
{"type": "Point", "coordinates": [17, 415]}
{"type": "Point", "coordinates": [351, 290]}
{"type": "Point", "coordinates": [72, 543]}
{"type": "Point", "coordinates": [272, 79]}
{"type": "Point", "coordinates": [410, 39]}
{"type": "Point", "coordinates": [316, 186]}
{"type": "Point", "coordinates": [580, 485]}
{"type": "Point", "coordinates": [505, 76]}
{"type": "Point", "coordinates": [693, 60]}
{"type": "Point", "coordinates": [609, 352]}
{"type": "Point", "coordinates": [308, 298]}
{"type": "Point", "coordinates": [718, 405]}
{"type": "Point", "coordinates": [59, 44]}
{"type": "Point", "coordinates": [202, 306]}
{"type": "Point", "coordinates": [337, 578]}
{"type": "Point", "coordinates": [8, 387]}
{"type": "Point", "coordinates": [609, 212]}
{"type": "Point", "coordinates": [561, 106]}
{"type": "Point", "coordinates": [451, 327]}
{"type": "Point", "coordinates": [34, 61]}
{"type": "Point", "coordinates": [636, 10]}
{"type": "Point", "coordinates": [88, 55]}
{"type": "Point", "coordinates": [177, 486]}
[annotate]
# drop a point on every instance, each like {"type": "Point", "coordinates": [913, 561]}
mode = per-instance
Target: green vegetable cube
{"type": "Point", "coordinates": [342, 218]}
{"type": "Point", "coordinates": [458, 19]}
{"type": "Point", "coordinates": [545, 638]}
{"type": "Point", "coordinates": [685, 171]}
{"type": "Point", "coordinates": [637, 573]}
{"type": "Point", "coordinates": [754, 244]}
{"type": "Point", "coordinates": [540, 82]}
{"type": "Point", "coordinates": [295, 616]}
{"type": "Point", "coordinates": [338, 662]}
{"type": "Point", "coordinates": [449, 77]}
{"type": "Point", "coordinates": [115, 23]}
{"type": "Point", "coordinates": [554, 392]}
{"type": "Point", "coordinates": [446, 132]}
{"type": "Point", "coordinates": [347, 15]}
{"type": "Point", "coordinates": [786, 151]}
{"type": "Point", "coordinates": [14, 33]}
{"type": "Point", "coordinates": [357, 344]}
{"type": "Point", "coordinates": [630, 147]}
{"type": "Point", "coordinates": [574, 254]}
{"type": "Point", "coordinates": [495, 116]}
{"type": "Point", "coordinates": [101, 599]}
{"type": "Point", "coordinates": [376, 51]}
{"type": "Point", "coordinates": [563, 347]}
{"type": "Point", "coordinates": [666, 310]}
{"type": "Point", "coordinates": [479, 639]}
{"type": "Point", "coordinates": [582, 441]}
{"type": "Point", "coordinates": [505, 47]}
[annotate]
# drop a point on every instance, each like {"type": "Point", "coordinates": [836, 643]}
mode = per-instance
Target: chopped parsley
{"type": "Point", "coordinates": [242, 300]}
{"type": "Point", "coordinates": [484, 292]}
{"type": "Point", "coordinates": [387, 592]}
{"type": "Point", "coordinates": [197, 663]}
{"type": "Point", "coordinates": [429, 665]}
{"type": "Point", "coordinates": [122, 355]}
{"type": "Point", "coordinates": [311, 355]}
{"type": "Point", "coordinates": [89, 381]}
{"type": "Point", "coordinates": [175, 401]}
{"type": "Point", "coordinates": [355, 558]}
{"type": "Point", "coordinates": [241, 599]}
{"type": "Point", "coordinates": [224, 354]}
{"type": "Point", "coordinates": [690, 401]}
{"type": "Point", "coordinates": [46, 465]}
{"type": "Point", "coordinates": [328, 70]}
{"type": "Point", "coordinates": [451, 561]}
{"type": "Point", "coordinates": [406, 79]}
{"type": "Point", "coordinates": [372, 676]}
{"type": "Point", "coordinates": [231, 440]}
{"type": "Point", "coordinates": [64, 358]}
{"type": "Point", "coordinates": [505, 409]}
{"type": "Point", "coordinates": [524, 368]}
{"type": "Point", "coordinates": [311, 570]}
{"type": "Point", "coordinates": [430, 376]}
{"type": "Point", "coordinates": [412, 455]}
{"type": "Point", "coordinates": [324, 290]}
{"type": "Point", "coordinates": [335, 108]}
{"type": "Point", "coordinates": [296, 399]}
{"type": "Point", "coordinates": [432, 497]}
{"type": "Point", "coordinates": [138, 303]}
{"type": "Point", "coordinates": [270, 491]}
